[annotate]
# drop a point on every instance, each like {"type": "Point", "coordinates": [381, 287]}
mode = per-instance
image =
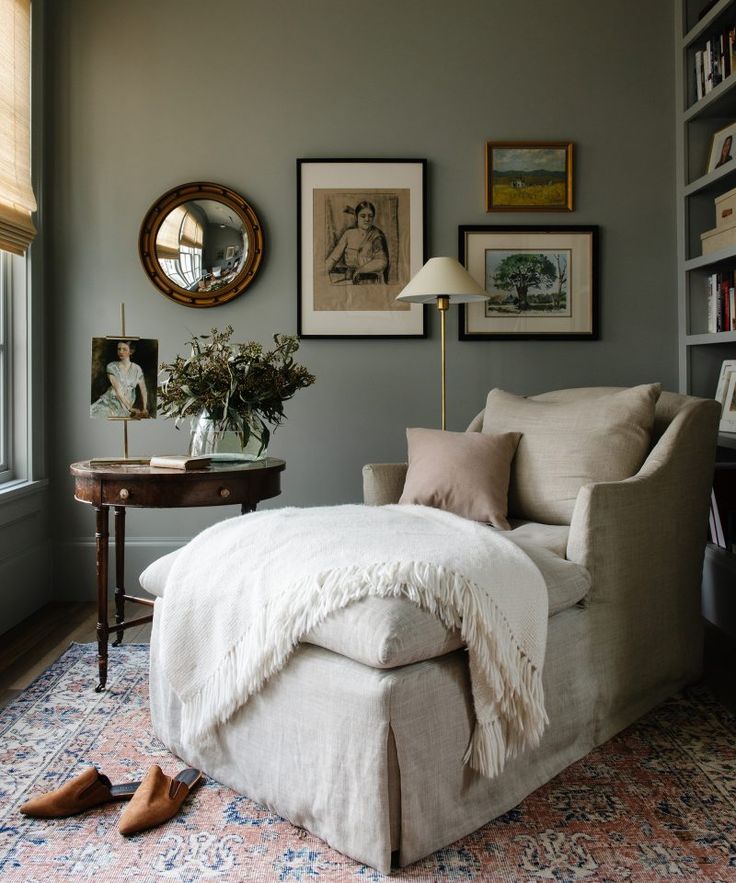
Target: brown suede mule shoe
{"type": "Point", "coordinates": [84, 791]}
{"type": "Point", "coordinates": [157, 800]}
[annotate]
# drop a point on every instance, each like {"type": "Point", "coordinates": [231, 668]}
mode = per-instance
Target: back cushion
{"type": "Point", "coordinates": [570, 438]}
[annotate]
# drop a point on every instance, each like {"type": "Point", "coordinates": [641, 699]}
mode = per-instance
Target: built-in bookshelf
{"type": "Point", "coordinates": [701, 351]}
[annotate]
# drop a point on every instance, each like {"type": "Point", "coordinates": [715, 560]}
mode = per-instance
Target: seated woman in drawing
{"type": "Point", "coordinates": [124, 377]}
{"type": "Point", "coordinates": [361, 254]}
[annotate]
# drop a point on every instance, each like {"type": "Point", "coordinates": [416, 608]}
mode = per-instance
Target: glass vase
{"type": "Point", "coordinates": [224, 440]}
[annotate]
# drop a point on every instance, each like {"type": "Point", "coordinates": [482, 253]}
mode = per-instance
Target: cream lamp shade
{"type": "Point", "coordinates": [442, 277]}
{"type": "Point", "coordinates": [443, 281]}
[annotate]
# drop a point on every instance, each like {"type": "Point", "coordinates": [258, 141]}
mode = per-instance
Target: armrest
{"type": "Point", "coordinates": [648, 532]}
{"type": "Point", "coordinates": [383, 483]}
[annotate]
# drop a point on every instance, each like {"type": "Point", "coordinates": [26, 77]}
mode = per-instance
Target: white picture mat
{"type": "Point", "coordinates": [728, 414]}
{"type": "Point", "coordinates": [581, 278]}
{"type": "Point", "coordinates": [727, 368]}
{"type": "Point", "coordinates": [359, 176]}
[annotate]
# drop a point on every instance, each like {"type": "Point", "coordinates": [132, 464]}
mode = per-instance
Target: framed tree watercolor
{"type": "Point", "coordinates": [542, 282]}
{"type": "Point", "coordinates": [361, 238]}
{"type": "Point", "coordinates": [528, 176]}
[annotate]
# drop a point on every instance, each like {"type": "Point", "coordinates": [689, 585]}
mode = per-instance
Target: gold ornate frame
{"type": "Point", "coordinates": [564, 206]}
{"type": "Point", "coordinates": [149, 231]}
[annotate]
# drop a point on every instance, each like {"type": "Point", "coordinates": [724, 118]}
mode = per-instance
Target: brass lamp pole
{"type": "Point", "coordinates": [443, 281]}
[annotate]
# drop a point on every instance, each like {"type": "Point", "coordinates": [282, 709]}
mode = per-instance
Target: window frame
{"type": "Point", "coordinates": [7, 472]}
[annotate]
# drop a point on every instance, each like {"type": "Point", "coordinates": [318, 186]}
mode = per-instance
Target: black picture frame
{"type": "Point", "coordinates": [402, 183]}
{"type": "Point", "coordinates": [535, 325]}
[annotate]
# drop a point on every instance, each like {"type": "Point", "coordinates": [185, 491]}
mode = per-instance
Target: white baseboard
{"type": "Point", "coordinates": [73, 574]}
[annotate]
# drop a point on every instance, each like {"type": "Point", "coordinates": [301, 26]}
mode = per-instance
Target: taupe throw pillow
{"type": "Point", "coordinates": [466, 473]}
{"type": "Point", "coordinates": [569, 439]}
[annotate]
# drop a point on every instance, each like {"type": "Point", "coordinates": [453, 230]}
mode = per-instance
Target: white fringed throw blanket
{"type": "Point", "coordinates": [242, 593]}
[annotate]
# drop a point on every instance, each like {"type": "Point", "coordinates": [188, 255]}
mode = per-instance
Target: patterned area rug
{"type": "Point", "coordinates": [655, 803]}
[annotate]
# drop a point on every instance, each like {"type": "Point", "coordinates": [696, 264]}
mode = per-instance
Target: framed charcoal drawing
{"type": "Point", "coordinates": [542, 282]}
{"type": "Point", "coordinates": [528, 176]}
{"type": "Point", "coordinates": [361, 238]}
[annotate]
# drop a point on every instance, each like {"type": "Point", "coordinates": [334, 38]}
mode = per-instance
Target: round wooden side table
{"type": "Point", "coordinates": [121, 486]}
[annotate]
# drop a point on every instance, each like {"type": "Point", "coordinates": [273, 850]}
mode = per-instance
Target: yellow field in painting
{"type": "Point", "coordinates": [534, 194]}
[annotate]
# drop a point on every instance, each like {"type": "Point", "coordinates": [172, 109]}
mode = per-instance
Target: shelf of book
{"type": "Point", "coordinates": [705, 339]}
{"type": "Point", "coordinates": [720, 102]}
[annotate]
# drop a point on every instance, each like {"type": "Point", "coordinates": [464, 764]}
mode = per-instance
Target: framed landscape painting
{"type": "Point", "coordinates": [542, 282]}
{"type": "Point", "coordinates": [528, 176]}
{"type": "Point", "coordinates": [361, 238]}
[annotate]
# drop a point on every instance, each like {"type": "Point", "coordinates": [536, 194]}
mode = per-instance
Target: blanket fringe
{"type": "Point", "coordinates": [506, 685]}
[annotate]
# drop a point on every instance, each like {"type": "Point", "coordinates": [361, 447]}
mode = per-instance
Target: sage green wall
{"type": "Point", "coordinates": [133, 115]}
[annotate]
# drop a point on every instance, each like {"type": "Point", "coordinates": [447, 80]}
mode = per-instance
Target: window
{"type": "Point", "coordinates": [21, 365]}
{"type": "Point", "coordinates": [6, 416]}
{"type": "Point", "coordinates": [179, 247]}
{"type": "Point", "coordinates": [17, 202]}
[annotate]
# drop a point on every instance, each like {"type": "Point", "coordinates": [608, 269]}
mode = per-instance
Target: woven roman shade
{"type": "Point", "coordinates": [179, 227]}
{"type": "Point", "coordinates": [167, 238]}
{"type": "Point", "coordinates": [17, 201]}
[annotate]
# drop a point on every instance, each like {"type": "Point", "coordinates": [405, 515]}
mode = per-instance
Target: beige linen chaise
{"type": "Point", "coordinates": [360, 737]}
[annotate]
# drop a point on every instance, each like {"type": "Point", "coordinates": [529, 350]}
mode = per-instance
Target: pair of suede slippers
{"type": "Point", "coordinates": [153, 801]}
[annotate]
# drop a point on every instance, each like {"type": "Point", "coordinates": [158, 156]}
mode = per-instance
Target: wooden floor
{"type": "Point", "coordinates": [30, 647]}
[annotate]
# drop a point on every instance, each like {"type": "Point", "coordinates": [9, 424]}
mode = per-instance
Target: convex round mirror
{"type": "Point", "coordinates": [201, 244]}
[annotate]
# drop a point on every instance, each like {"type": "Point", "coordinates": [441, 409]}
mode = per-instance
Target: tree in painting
{"type": "Point", "coordinates": [524, 271]}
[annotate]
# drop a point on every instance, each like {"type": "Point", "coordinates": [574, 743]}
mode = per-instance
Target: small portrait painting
{"type": "Point", "coordinates": [528, 282]}
{"type": "Point", "coordinates": [124, 376]}
{"type": "Point", "coordinates": [528, 176]}
{"type": "Point", "coordinates": [722, 148]}
{"type": "Point", "coordinates": [362, 245]}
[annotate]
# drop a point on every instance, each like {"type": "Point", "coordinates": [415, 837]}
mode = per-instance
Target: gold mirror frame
{"type": "Point", "coordinates": [161, 209]}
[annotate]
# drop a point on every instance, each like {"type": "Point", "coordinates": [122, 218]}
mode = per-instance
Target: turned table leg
{"type": "Point", "coordinates": [102, 535]}
{"type": "Point", "coordinates": [119, 519]}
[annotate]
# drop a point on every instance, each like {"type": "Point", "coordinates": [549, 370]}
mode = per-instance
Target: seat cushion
{"type": "Point", "coordinates": [570, 438]}
{"type": "Point", "coordinates": [389, 632]}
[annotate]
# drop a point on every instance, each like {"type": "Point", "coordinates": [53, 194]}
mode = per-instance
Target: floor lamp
{"type": "Point", "coordinates": [443, 281]}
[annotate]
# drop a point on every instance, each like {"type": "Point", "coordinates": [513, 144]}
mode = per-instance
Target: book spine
{"type": "Point", "coordinates": [708, 64]}
{"type": "Point", "coordinates": [698, 74]}
{"type": "Point", "coordinates": [726, 55]}
{"type": "Point", "coordinates": [715, 62]}
{"type": "Point", "coordinates": [726, 320]}
{"type": "Point", "coordinates": [732, 304]}
{"type": "Point", "coordinates": [722, 57]}
{"type": "Point", "coordinates": [711, 305]}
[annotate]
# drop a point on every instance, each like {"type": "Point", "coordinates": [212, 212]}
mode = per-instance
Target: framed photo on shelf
{"type": "Point", "coordinates": [542, 282]}
{"type": "Point", "coordinates": [725, 393]}
{"type": "Point", "coordinates": [728, 414]}
{"type": "Point", "coordinates": [361, 237]}
{"type": "Point", "coordinates": [528, 176]}
{"type": "Point", "coordinates": [722, 148]}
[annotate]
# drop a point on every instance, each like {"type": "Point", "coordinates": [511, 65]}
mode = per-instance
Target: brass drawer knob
{"type": "Point", "coordinates": [124, 493]}
{"type": "Point", "coordinates": [224, 493]}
